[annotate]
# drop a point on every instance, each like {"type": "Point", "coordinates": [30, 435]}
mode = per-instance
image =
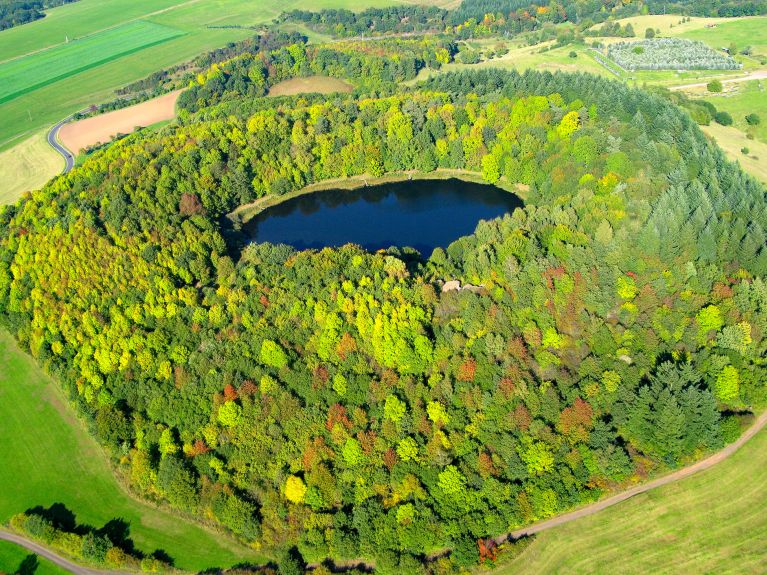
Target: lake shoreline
{"type": "Point", "coordinates": [247, 212]}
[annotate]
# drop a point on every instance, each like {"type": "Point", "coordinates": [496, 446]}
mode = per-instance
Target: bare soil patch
{"type": "Point", "coordinates": [77, 136]}
{"type": "Point", "coordinates": [310, 85]}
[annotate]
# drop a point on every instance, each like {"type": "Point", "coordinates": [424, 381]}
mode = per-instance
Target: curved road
{"type": "Point", "coordinates": [590, 509]}
{"type": "Point", "coordinates": [53, 140]}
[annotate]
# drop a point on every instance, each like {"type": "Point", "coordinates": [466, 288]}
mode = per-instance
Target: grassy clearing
{"type": "Point", "coordinates": [709, 523]}
{"type": "Point", "coordinates": [73, 470]}
{"type": "Point", "coordinates": [740, 31]}
{"type": "Point", "coordinates": [12, 557]}
{"type": "Point", "coordinates": [668, 24]}
{"type": "Point", "coordinates": [310, 85]}
{"type": "Point", "coordinates": [74, 21]}
{"type": "Point", "coordinates": [742, 99]}
{"type": "Point", "coordinates": [27, 167]}
{"type": "Point", "coordinates": [25, 74]}
{"type": "Point", "coordinates": [556, 60]}
{"type": "Point", "coordinates": [732, 141]}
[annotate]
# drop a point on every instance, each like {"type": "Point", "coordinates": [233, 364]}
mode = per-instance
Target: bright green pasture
{"type": "Point", "coordinates": [740, 31]}
{"type": "Point", "coordinates": [26, 74]}
{"type": "Point", "coordinates": [713, 522]}
{"type": "Point", "coordinates": [12, 557]}
{"type": "Point", "coordinates": [47, 457]}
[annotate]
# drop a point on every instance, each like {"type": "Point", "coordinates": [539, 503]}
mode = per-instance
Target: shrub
{"type": "Point", "coordinates": [700, 114]}
{"type": "Point", "coordinates": [745, 151]}
{"type": "Point", "coordinates": [753, 119]}
{"type": "Point", "coordinates": [714, 86]}
{"type": "Point", "coordinates": [649, 33]}
{"type": "Point", "coordinates": [723, 118]}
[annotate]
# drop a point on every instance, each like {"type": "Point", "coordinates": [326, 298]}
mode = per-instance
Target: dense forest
{"type": "Point", "coordinates": [372, 64]}
{"type": "Point", "coordinates": [17, 12]}
{"type": "Point", "coordinates": [335, 403]}
{"type": "Point", "coordinates": [478, 18]}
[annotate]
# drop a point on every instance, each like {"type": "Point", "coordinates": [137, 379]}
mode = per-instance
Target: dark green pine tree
{"type": "Point", "coordinates": [668, 429]}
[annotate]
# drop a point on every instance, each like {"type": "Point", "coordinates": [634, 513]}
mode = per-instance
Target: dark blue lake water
{"type": "Point", "coordinates": [422, 214]}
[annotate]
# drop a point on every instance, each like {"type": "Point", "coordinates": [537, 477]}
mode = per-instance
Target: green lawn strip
{"type": "Point", "coordinates": [47, 457]}
{"type": "Point", "coordinates": [13, 557]}
{"type": "Point", "coordinates": [74, 21]}
{"type": "Point", "coordinates": [33, 72]}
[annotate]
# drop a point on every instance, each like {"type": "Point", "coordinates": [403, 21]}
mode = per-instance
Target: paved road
{"type": "Point", "coordinates": [758, 75]}
{"type": "Point", "coordinates": [53, 134]}
{"type": "Point", "coordinates": [590, 509]}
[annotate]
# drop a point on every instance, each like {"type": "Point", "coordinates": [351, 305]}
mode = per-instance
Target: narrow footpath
{"type": "Point", "coordinates": [758, 75]}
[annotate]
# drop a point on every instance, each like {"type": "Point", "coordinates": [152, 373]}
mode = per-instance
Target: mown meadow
{"type": "Point", "coordinates": [47, 457]}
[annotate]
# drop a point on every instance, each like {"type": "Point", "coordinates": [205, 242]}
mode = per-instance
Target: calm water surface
{"type": "Point", "coordinates": [422, 214]}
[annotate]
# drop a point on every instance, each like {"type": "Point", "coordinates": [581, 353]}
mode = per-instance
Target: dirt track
{"type": "Point", "coordinates": [590, 509]}
{"type": "Point", "coordinates": [51, 556]}
{"type": "Point", "coordinates": [758, 75]}
{"type": "Point", "coordinates": [77, 136]}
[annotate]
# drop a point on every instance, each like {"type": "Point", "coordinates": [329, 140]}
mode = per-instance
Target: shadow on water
{"type": "Point", "coordinates": [422, 214]}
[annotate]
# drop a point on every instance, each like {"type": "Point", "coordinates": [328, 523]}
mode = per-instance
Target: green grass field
{"type": "Point", "coordinates": [740, 31]}
{"type": "Point", "coordinates": [556, 60]}
{"type": "Point", "coordinates": [733, 141]}
{"type": "Point", "coordinates": [743, 32]}
{"type": "Point", "coordinates": [742, 99]}
{"type": "Point", "coordinates": [22, 75]}
{"type": "Point", "coordinates": [46, 457]}
{"type": "Point", "coordinates": [713, 522]}
{"type": "Point", "coordinates": [43, 107]}
{"type": "Point", "coordinates": [27, 166]}
{"type": "Point", "coordinates": [12, 557]}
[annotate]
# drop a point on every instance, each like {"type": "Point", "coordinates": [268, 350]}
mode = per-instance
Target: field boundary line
{"type": "Point", "coordinates": [100, 30]}
{"type": "Point", "coordinates": [108, 59]}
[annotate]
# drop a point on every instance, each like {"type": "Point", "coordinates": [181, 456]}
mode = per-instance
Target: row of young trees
{"type": "Point", "coordinates": [336, 401]}
{"type": "Point", "coordinates": [669, 54]}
